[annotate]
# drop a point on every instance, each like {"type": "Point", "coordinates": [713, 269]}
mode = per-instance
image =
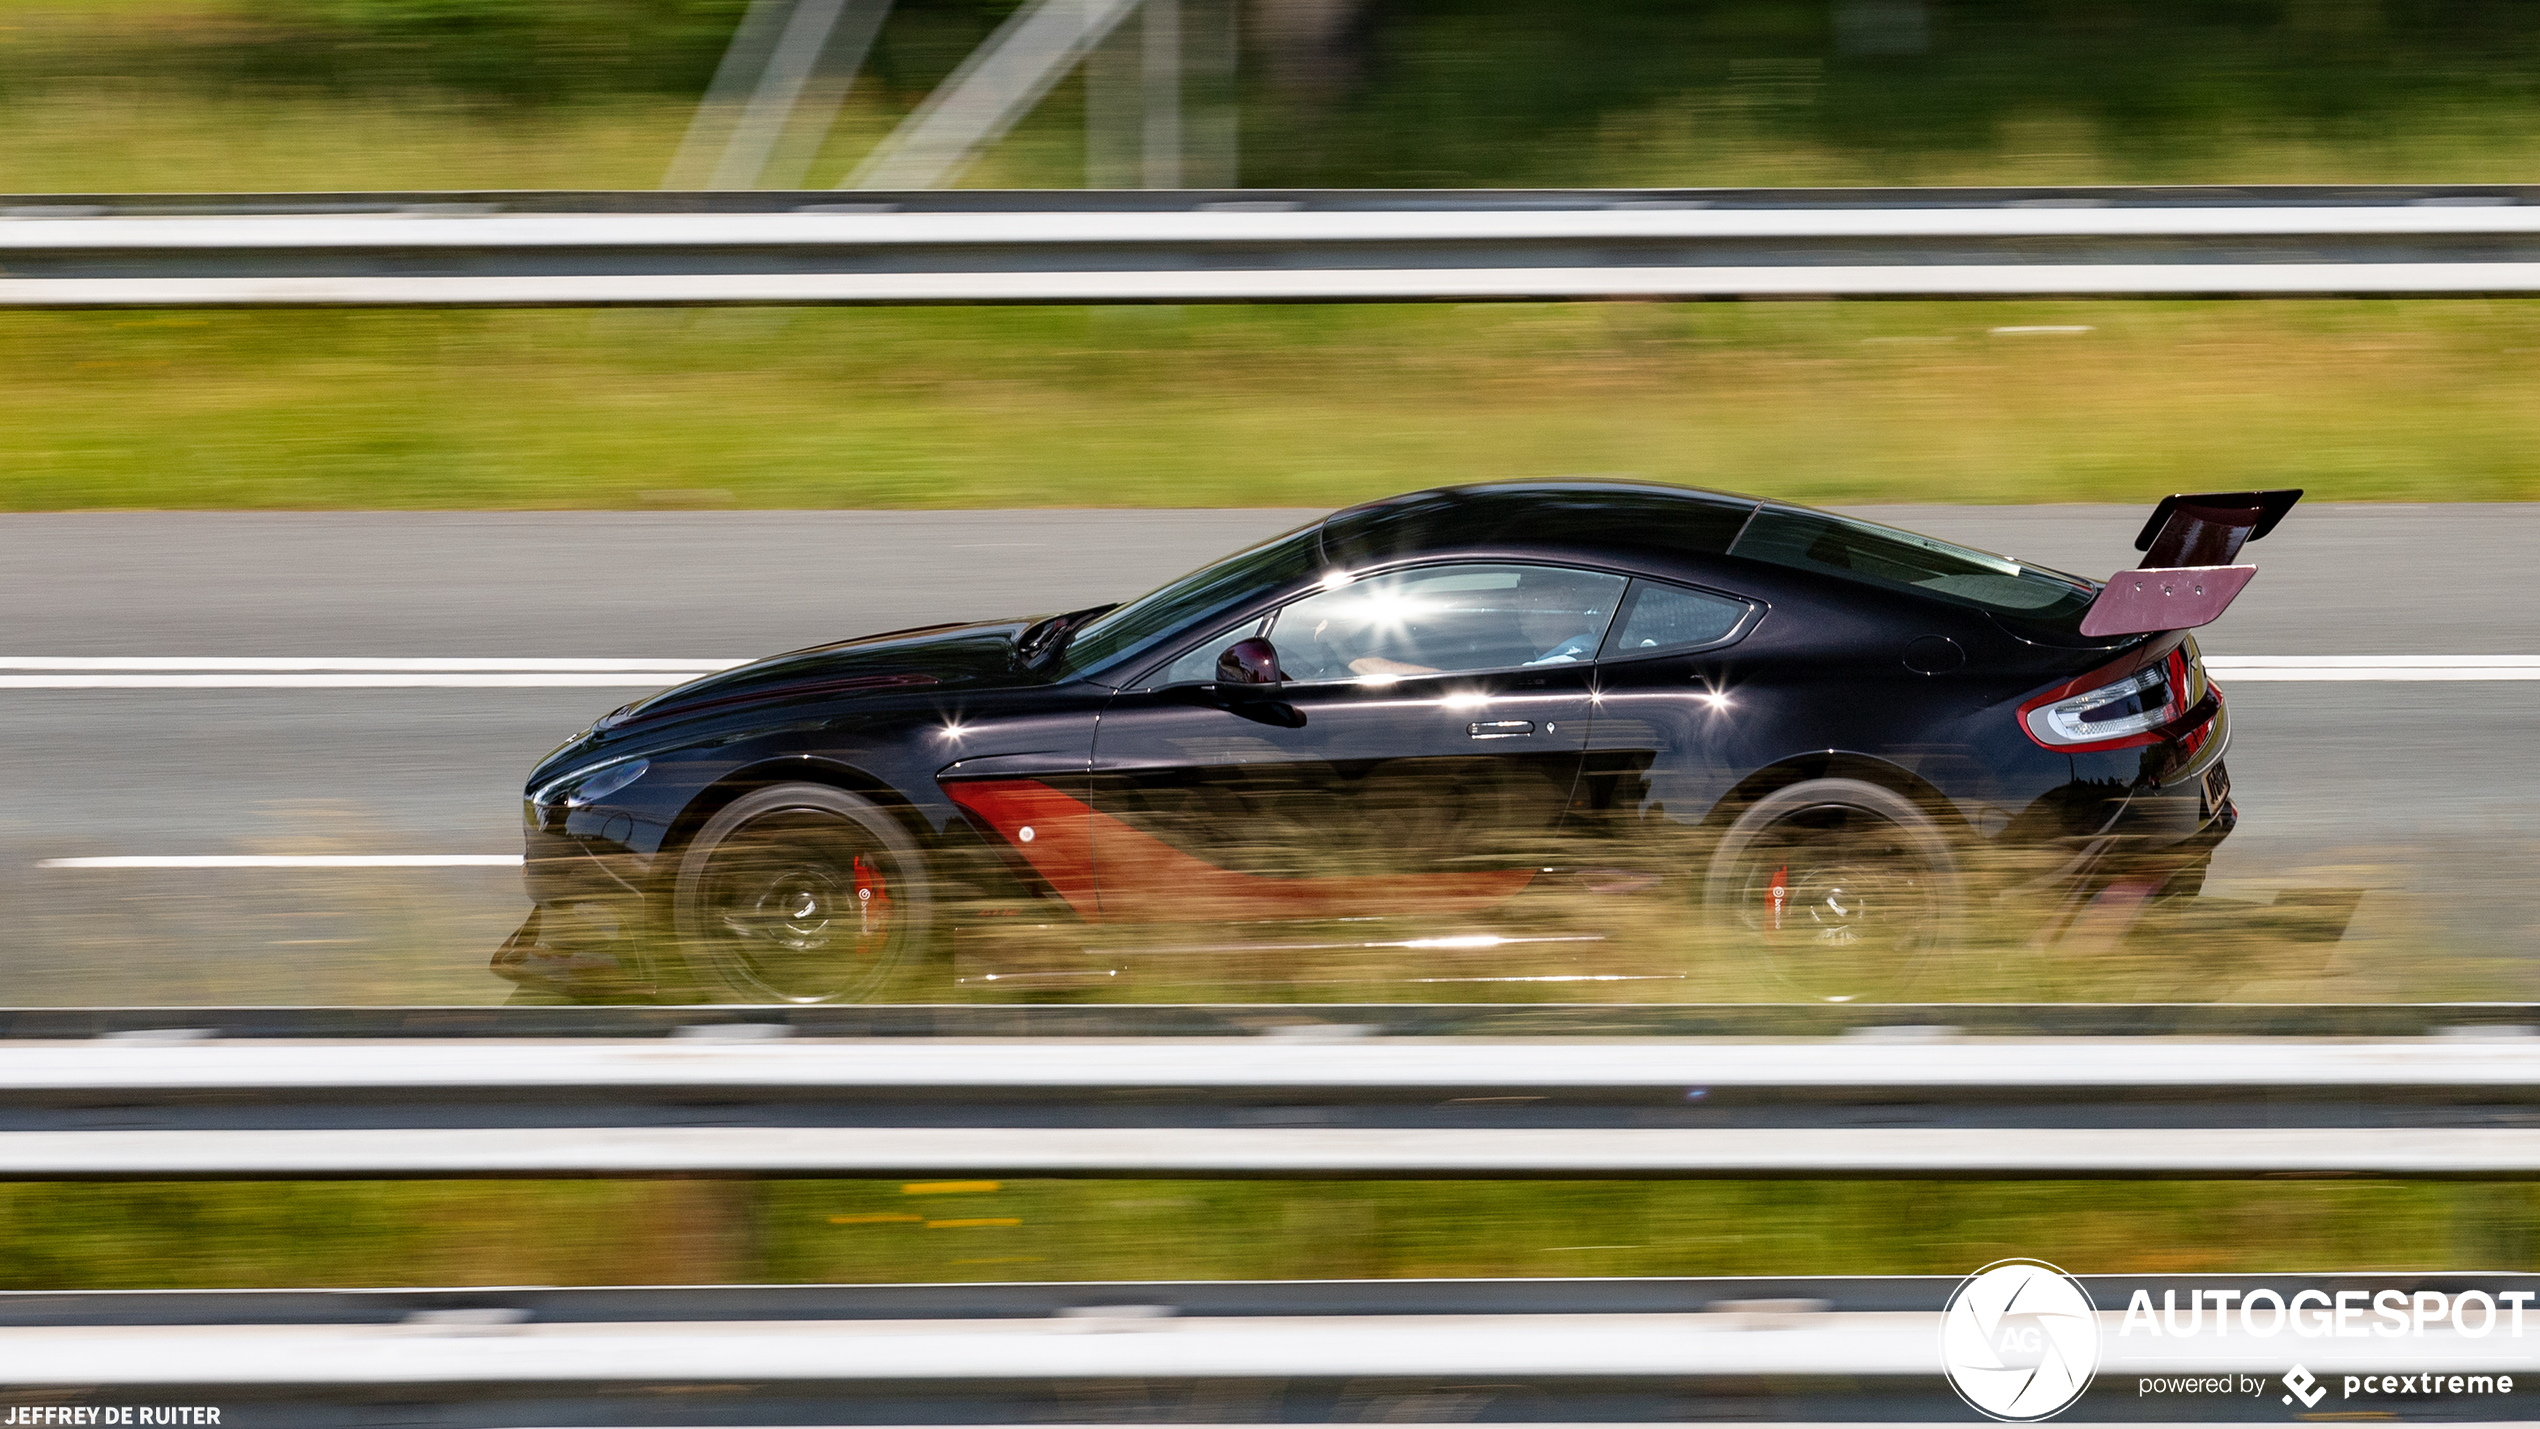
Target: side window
{"type": "Point", "coordinates": [1668, 617]}
{"type": "Point", "coordinates": [1446, 619]}
{"type": "Point", "coordinates": [1198, 665]}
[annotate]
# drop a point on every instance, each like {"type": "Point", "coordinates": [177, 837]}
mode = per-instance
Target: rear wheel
{"type": "Point", "coordinates": [800, 893]}
{"type": "Point", "coordinates": [1845, 888]}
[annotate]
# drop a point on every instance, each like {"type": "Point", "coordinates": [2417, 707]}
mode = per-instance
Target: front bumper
{"type": "Point", "coordinates": [587, 936]}
{"type": "Point", "coordinates": [582, 975]}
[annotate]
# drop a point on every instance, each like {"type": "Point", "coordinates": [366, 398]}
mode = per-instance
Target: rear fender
{"type": "Point", "coordinates": [1839, 764]}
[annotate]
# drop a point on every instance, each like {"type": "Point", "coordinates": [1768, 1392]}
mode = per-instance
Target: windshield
{"type": "Point", "coordinates": [1883, 555]}
{"type": "Point", "coordinates": [1150, 618]}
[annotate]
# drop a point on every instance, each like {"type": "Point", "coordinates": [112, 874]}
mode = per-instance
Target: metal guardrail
{"type": "Point", "coordinates": [1261, 246]}
{"type": "Point", "coordinates": [1613, 1351]}
{"type": "Point", "coordinates": [1309, 1152]}
{"type": "Point", "coordinates": [1484, 1092]}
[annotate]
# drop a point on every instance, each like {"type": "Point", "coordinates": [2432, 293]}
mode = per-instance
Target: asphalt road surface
{"type": "Point", "coordinates": [2426, 787]}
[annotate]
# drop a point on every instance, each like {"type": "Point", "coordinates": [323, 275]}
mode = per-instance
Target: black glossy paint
{"type": "Point", "coordinates": [1429, 776]}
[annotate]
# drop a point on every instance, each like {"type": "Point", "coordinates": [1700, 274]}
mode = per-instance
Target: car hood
{"type": "Point", "coordinates": [928, 657]}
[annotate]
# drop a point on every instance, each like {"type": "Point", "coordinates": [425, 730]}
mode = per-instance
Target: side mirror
{"type": "Point", "coordinates": [1250, 667]}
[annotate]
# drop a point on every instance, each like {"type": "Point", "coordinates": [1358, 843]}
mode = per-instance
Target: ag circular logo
{"type": "Point", "coordinates": [2020, 1340]}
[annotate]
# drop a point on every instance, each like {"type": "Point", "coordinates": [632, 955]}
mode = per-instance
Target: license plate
{"type": "Point", "coordinates": [2216, 790]}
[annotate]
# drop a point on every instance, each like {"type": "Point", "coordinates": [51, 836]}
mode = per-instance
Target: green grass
{"type": "Point", "coordinates": [1261, 406]}
{"type": "Point", "coordinates": [457, 1233]}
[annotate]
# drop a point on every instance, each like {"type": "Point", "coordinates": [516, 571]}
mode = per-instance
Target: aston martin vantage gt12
{"type": "Point", "coordinates": [1801, 732]}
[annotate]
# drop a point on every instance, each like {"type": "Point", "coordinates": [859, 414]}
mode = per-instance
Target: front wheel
{"type": "Point", "coordinates": [1845, 888]}
{"type": "Point", "coordinates": [800, 893]}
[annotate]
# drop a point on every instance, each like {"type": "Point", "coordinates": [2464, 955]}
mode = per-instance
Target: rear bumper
{"type": "Point", "coordinates": [2143, 821]}
{"type": "Point", "coordinates": [2161, 853]}
{"type": "Point", "coordinates": [2179, 811]}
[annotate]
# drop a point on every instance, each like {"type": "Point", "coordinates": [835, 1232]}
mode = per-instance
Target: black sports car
{"type": "Point", "coordinates": [1810, 731]}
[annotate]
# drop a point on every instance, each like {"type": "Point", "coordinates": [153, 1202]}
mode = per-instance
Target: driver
{"type": "Point", "coordinates": [1562, 616]}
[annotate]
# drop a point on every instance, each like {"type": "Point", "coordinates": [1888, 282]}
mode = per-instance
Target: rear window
{"type": "Point", "coordinates": [1901, 560]}
{"type": "Point", "coordinates": [1670, 617]}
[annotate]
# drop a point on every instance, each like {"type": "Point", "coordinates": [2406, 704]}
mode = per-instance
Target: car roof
{"type": "Point", "coordinates": [1617, 515]}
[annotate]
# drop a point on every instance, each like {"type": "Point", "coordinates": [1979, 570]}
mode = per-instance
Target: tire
{"type": "Point", "coordinates": [800, 893]}
{"type": "Point", "coordinates": [1845, 889]}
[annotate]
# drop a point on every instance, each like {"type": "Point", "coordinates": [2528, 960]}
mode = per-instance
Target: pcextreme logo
{"type": "Point", "coordinates": [2020, 1340]}
{"type": "Point", "coordinates": [2305, 1386]}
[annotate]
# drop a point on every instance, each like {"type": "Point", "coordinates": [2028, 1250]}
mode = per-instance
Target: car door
{"type": "Point", "coordinates": [1417, 758]}
{"type": "Point", "coordinates": [1672, 735]}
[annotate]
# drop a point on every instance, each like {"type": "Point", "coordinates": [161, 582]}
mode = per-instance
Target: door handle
{"type": "Point", "coordinates": [1500, 728]}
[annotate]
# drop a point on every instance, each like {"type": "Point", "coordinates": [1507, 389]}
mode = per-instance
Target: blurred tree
{"type": "Point", "coordinates": [1413, 92]}
{"type": "Point", "coordinates": [1308, 46]}
{"type": "Point", "coordinates": [436, 14]}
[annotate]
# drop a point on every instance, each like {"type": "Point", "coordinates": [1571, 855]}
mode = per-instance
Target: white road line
{"type": "Point", "coordinates": [339, 673]}
{"type": "Point", "coordinates": [2375, 667]}
{"type": "Point", "coordinates": [219, 673]}
{"type": "Point", "coordinates": [334, 664]}
{"type": "Point", "coordinates": [317, 860]}
{"type": "Point", "coordinates": [457, 680]}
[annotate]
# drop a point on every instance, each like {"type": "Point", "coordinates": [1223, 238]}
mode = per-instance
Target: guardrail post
{"type": "Point", "coordinates": [1211, 40]}
{"type": "Point", "coordinates": [1114, 124]}
{"type": "Point", "coordinates": [997, 85]}
{"type": "Point", "coordinates": [783, 50]}
{"type": "Point", "coordinates": [1160, 83]}
{"type": "Point", "coordinates": [1159, 100]}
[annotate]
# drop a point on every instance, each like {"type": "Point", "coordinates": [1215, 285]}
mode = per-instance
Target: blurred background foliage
{"type": "Point", "coordinates": [1337, 92]}
{"type": "Point", "coordinates": [1872, 402]}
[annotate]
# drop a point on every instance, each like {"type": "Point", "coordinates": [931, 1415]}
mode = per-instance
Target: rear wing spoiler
{"type": "Point", "coordinates": [2187, 578]}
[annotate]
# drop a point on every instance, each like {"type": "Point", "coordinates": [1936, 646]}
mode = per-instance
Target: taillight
{"type": "Point", "coordinates": [2116, 714]}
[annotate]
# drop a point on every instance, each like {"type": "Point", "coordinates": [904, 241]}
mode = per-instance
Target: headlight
{"type": "Point", "coordinates": [586, 786]}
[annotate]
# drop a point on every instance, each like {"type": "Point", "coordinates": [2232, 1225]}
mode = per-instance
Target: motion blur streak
{"type": "Point", "coordinates": [266, 665]}
{"type": "Point", "coordinates": [383, 860]}
{"type": "Point", "coordinates": [541, 679]}
{"type": "Point", "coordinates": [354, 674]}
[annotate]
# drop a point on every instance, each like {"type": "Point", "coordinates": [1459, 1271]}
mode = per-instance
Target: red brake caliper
{"type": "Point", "coordinates": [872, 897]}
{"type": "Point", "coordinates": [1777, 897]}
